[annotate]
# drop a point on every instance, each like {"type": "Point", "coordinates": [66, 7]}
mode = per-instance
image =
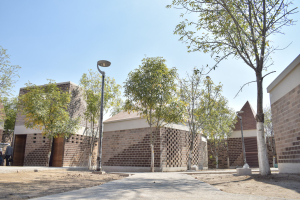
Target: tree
{"type": "Point", "coordinates": [269, 132]}
{"type": "Point", "coordinates": [239, 29]}
{"type": "Point", "coordinates": [91, 84]}
{"type": "Point", "coordinates": [10, 108]}
{"type": "Point", "coordinates": [197, 94]}
{"type": "Point", "coordinates": [47, 108]}
{"type": "Point", "coordinates": [7, 73]}
{"type": "Point", "coordinates": [219, 126]}
{"type": "Point", "coordinates": [150, 90]}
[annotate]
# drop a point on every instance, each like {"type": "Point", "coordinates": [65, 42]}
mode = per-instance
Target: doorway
{"type": "Point", "coordinates": [19, 150]}
{"type": "Point", "coordinates": [56, 159]}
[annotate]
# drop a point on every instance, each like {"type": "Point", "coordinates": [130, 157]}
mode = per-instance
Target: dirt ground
{"type": "Point", "coordinates": [275, 185]}
{"type": "Point", "coordinates": [25, 185]}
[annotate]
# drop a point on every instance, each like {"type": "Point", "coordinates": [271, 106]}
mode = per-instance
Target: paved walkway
{"type": "Point", "coordinates": [154, 186]}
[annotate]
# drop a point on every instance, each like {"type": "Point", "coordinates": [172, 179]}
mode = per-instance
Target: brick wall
{"type": "Point", "coordinates": [175, 148]}
{"type": "Point", "coordinates": [235, 152]}
{"type": "Point", "coordinates": [76, 151]}
{"type": "Point", "coordinates": [286, 124]}
{"type": "Point", "coordinates": [248, 118]}
{"type": "Point", "coordinates": [130, 147]}
{"type": "Point", "coordinates": [36, 150]}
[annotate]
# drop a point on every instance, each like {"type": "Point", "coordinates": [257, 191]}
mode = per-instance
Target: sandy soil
{"type": "Point", "coordinates": [275, 185]}
{"type": "Point", "coordinates": [24, 185]}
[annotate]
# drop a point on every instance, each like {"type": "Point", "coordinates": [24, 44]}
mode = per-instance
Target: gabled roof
{"type": "Point", "coordinates": [123, 116]}
{"type": "Point", "coordinates": [248, 118]}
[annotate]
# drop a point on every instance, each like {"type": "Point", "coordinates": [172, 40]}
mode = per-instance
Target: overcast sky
{"type": "Point", "coordinates": [61, 40]}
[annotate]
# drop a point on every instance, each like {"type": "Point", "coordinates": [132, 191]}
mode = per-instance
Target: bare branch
{"type": "Point", "coordinates": [244, 86]}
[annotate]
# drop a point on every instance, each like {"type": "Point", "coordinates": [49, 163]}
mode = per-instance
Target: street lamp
{"type": "Point", "coordinates": [244, 152]}
{"type": "Point", "coordinates": [102, 63]}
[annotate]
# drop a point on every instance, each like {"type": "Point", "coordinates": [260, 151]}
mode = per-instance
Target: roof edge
{"type": "Point", "coordinates": [284, 73]}
{"type": "Point", "coordinates": [61, 83]}
{"type": "Point", "coordinates": [119, 120]}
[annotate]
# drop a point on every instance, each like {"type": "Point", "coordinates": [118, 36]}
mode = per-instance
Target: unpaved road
{"type": "Point", "coordinates": [275, 185]}
{"type": "Point", "coordinates": [24, 185]}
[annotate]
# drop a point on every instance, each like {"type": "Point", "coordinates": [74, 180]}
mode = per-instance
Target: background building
{"type": "Point", "coordinates": [31, 148]}
{"type": "Point", "coordinates": [126, 145]}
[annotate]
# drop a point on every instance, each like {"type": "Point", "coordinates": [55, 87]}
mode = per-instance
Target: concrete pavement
{"type": "Point", "coordinates": [154, 186]}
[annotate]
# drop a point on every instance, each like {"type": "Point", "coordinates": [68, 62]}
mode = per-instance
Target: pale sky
{"type": "Point", "coordinates": [61, 40]}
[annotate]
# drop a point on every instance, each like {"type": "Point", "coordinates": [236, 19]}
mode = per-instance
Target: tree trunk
{"type": "Point", "coordinates": [152, 157]}
{"type": "Point", "coordinates": [191, 152]}
{"type": "Point", "coordinates": [50, 151]}
{"type": "Point", "coordinates": [263, 161]}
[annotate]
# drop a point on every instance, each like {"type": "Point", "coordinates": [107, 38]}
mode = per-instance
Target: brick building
{"type": "Point", "coordinates": [285, 104]}
{"type": "Point", "coordinates": [126, 145]}
{"type": "Point", "coordinates": [234, 151]}
{"type": "Point", "coordinates": [31, 147]}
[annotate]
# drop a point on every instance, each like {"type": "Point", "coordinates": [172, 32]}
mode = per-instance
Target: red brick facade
{"type": "Point", "coordinates": [286, 123]}
{"type": "Point", "coordinates": [75, 149]}
{"type": "Point", "coordinates": [132, 148]}
{"type": "Point", "coordinates": [235, 152]}
{"type": "Point", "coordinates": [248, 118]}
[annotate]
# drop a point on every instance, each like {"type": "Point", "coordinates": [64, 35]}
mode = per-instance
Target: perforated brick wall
{"type": "Point", "coordinates": [175, 148]}
{"type": "Point", "coordinates": [286, 124]}
{"type": "Point", "coordinates": [132, 148]}
{"type": "Point", "coordinates": [36, 151]}
{"type": "Point", "coordinates": [76, 151]}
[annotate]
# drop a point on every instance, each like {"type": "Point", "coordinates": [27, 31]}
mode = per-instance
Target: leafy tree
{"type": "Point", "coordinates": [150, 90]}
{"type": "Point", "coordinates": [240, 29]}
{"type": "Point", "coordinates": [197, 94]}
{"type": "Point", "coordinates": [8, 73]}
{"type": "Point", "coordinates": [219, 126]}
{"type": "Point", "coordinates": [10, 109]}
{"type": "Point", "coordinates": [46, 108]}
{"type": "Point", "coordinates": [91, 84]}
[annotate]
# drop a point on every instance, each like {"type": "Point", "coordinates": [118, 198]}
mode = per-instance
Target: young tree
{"type": "Point", "coordinates": [150, 90]}
{"type": "Point", "coordinates": [10, 109]}
{"type": "Point", "coordinates": [219, 126]}
{"type": "Point", "coordinates": [239, 29]}
{"type": "Point", "coordinates": [197, 94]}
{"type": "Point", "coordinates": [91, 84]}
{"type": "Point", "coordinates": [46, 108]}
{"type": "Point", "coordinates": [8, 73]}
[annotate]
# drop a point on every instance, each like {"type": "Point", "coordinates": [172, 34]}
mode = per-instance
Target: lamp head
{"type": "Point", "coordinates": [103, 63]}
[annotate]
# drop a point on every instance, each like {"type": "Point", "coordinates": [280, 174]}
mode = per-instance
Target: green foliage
{"type": "Point", "coordinates": [92, 84]}
{"type": "Point", "coordinates": [237, 28]}
{"type": "Point", "coordinates": [46, 108]}
{"type": "Point", "coordinates": [221, 122]}
{"type": "Point", "coordinates": [10, 109]}
{"type": "Point", "coordinates": [150, 90]}
{"type": "Point", "coordinates": [8, 73]}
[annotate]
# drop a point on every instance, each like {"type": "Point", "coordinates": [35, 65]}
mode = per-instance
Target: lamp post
{"type": "Point", "coordinates": [244, 152]}
{"type": "Point", "coordinates": [102, 63]}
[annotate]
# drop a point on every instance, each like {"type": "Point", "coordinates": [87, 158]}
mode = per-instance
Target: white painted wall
{"type": "Point", "coordinates": [246, 133]}
{"type": "Point", "coordinates": [286, 81]}
{"type": "Point", "coordinates": [22, 130]}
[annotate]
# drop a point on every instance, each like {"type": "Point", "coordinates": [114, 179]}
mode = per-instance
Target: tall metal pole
{"type": "Point", "coordinates": [244, 152]}
{"type": "Point", "coordinates": [99, 158]}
